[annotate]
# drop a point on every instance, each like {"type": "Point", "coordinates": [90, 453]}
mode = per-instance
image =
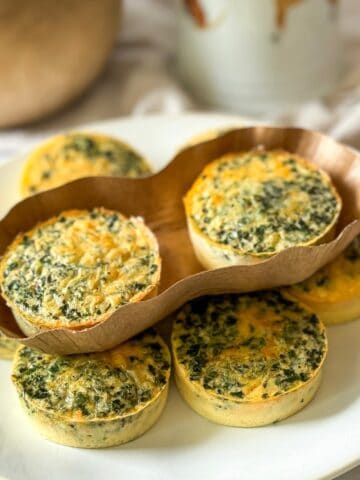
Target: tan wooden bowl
{"type": "Point", "coordinates": [50, 52]}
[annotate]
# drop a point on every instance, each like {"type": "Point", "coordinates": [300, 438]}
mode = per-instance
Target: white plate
{"type": "Point", "coordinates": [320, 442]}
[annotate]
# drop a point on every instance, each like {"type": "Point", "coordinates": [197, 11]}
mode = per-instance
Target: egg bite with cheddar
{"type": "Point", "coordinates": [248, 206]}
{"type": "Point", "coordinates": [74, 270]}
{"type": "Point", "coordinates": [247, 360]}
{"type": "Point", "coordinates": [95, 400]}
{"type": "Point", "coordinates": [70, 156]}
{"type": "Point", "coordinates": [333, 292]}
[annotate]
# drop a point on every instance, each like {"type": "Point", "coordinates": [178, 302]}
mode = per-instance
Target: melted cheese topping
{"type": "Point", "coordinates": [76, 155]}
{"type": "Point", "coordinates": [75, 269]}
{"type": "Point", "coordinates": [260, 203]}
{"type": "Point", "coordinates": [336, 282]}
{"type": "Point", "coordinates": [95, 386]}
{"type": "Point", "coordinates": [248, 347]}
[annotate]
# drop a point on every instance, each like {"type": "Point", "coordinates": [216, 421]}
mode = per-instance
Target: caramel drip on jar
{"type": "Point", "coordinates": [282, 7]}
{"type": "Point", "coordinates": [196, 11]}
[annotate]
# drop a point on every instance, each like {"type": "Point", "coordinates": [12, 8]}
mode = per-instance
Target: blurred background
{"type": "Point", "coordinates": [73, 62]}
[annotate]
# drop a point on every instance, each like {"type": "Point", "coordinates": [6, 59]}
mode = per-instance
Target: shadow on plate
{"type": "Point", "coordinates": [340, 384]}
{"type": "Point", "coordinates": [178, 427]}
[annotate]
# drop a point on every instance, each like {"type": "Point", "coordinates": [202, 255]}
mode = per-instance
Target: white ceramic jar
{"type": "Point", "coordinates": [257, 56]}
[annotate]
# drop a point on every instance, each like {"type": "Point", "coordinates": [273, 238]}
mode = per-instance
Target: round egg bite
{"type": "Point", "coordinates": [74, 270]}
{"type": "Point", "coordinates": [333, 292]}
{"type": "Point", "coordinates": [76, 155]}
{"type": "Point", "coordinates": [247, 360]}
{"type": "Point", "coordinates": [245, 207]}
{"type": "Point", "coordinates": [95, 400]}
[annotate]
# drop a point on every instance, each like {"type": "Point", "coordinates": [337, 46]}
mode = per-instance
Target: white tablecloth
{"type": "Point", "coordinates": [139, 80]}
